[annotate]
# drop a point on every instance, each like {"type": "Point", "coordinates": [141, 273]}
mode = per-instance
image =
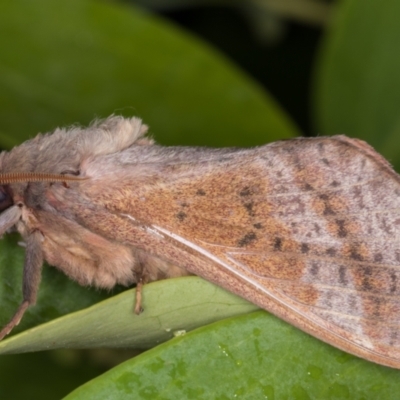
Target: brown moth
{"type": "Point", "coordinates": [306, 228]}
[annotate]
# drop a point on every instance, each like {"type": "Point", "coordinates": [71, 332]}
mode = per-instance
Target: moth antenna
{"type": "Point", "coordinates": [19, 177]}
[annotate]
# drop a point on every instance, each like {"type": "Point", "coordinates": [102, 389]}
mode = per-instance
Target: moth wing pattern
{"type": "Point", "coordinates": [308, 229]}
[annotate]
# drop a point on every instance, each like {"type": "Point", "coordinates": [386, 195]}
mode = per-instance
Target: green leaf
{"type": "Point", "coordinates": [358, 81]}
{"type": "Point", "coordinates": [255, 356]}
{"type": "Point", "coordinates": [69, 61]}
{"type": "Point", "coordinates": [169, 307]}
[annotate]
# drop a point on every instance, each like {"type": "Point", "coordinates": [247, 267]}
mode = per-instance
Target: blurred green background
{"type": "Point", "coordinates": [215, 73]}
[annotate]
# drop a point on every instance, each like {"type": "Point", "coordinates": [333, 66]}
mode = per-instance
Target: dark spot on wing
{"type": "Point", "coordinates": [387, 228]}
{"type": "Point", "coordinates": [358, 195]}
{"type": "Point", "coordinates": [393, 337]}
{"type": "Point", "coordinates": [308, 187]}
{"type": "Point", "coordinates": [367, 271]}
{"type": "Point", "coordinates": [247, 239]}
{"type": "Point", "coordinates": [393, 282]}
{"type": "Point", "coordinates": [355, 255]}
{"type": "Point", "coordinates": [314, 269]}
{"type": "Point", "coordinates": [378, 257]}
{"type": "Point", "coordinates": [331, 252]}
{"type": "Point", "coordinates": [328, 209]}
{"type": "Point", "coordinates": [258, 225]}
{"type": "Point", "coordinates": [342, 231]}
{"type": "Point", "coordinates": [249, 208]}
{"type": "Point", "coordinates": [201, 192]}
{"type": "Point", "coordinates": [181, 216]}
{"type": "Point", "coordinates": [366, 278]}
{"type": "Point", "coordinates": [305, 248]}
{"type": "Point", "coordinates": [278, 244]}
{"type": "Point", "coordinates": [377, 301]}
{"type": "Point", "coordinates": [335, 184]}
{"type": "Point", "coordinates": [342, 275]}
{"type": "Point", "coordinates": [325, 161]}
{"type": "Point", "coordinates": [245, 191]}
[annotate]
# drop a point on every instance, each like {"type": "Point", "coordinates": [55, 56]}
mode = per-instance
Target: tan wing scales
{"type": "Point", "coordinates": [309, 229]}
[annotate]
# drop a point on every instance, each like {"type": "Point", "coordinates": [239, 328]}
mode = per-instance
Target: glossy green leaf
{"type": "Point", "coordinates": [69, 61]}
{"type": "Point", "coordinates": [358, 81]}
{"type": "Point", "coordinates": [170, 307]}
{"type": "Point", "coordinates": [252, 357]}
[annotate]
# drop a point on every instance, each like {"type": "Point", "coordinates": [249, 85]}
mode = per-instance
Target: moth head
{"type": "Point", "coordinates": [11, 211]}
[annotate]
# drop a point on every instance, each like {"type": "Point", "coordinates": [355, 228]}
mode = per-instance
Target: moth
{"type": "Point", "coordinates": [308, 228]}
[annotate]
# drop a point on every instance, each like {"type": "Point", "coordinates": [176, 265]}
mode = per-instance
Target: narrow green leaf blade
{"type": "Point", "coordinates": [170, 306]}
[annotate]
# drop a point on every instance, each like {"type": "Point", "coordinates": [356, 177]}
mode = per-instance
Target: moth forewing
{"type": "Point", "coordinates": [305, 228]}
{"type": "Point", "coordinates": [282, 226]}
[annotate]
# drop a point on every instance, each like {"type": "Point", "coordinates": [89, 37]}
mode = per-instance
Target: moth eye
{"type": "Point", "coordinates": [5, 198]}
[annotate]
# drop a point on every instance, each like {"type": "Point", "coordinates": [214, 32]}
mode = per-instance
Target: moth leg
{"type": "Point", "coordinates": [31, 279]}
{"type": "Point", "coordinates": [143, 278]}
{"type": "Point", "coordinates": [138, 297]}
